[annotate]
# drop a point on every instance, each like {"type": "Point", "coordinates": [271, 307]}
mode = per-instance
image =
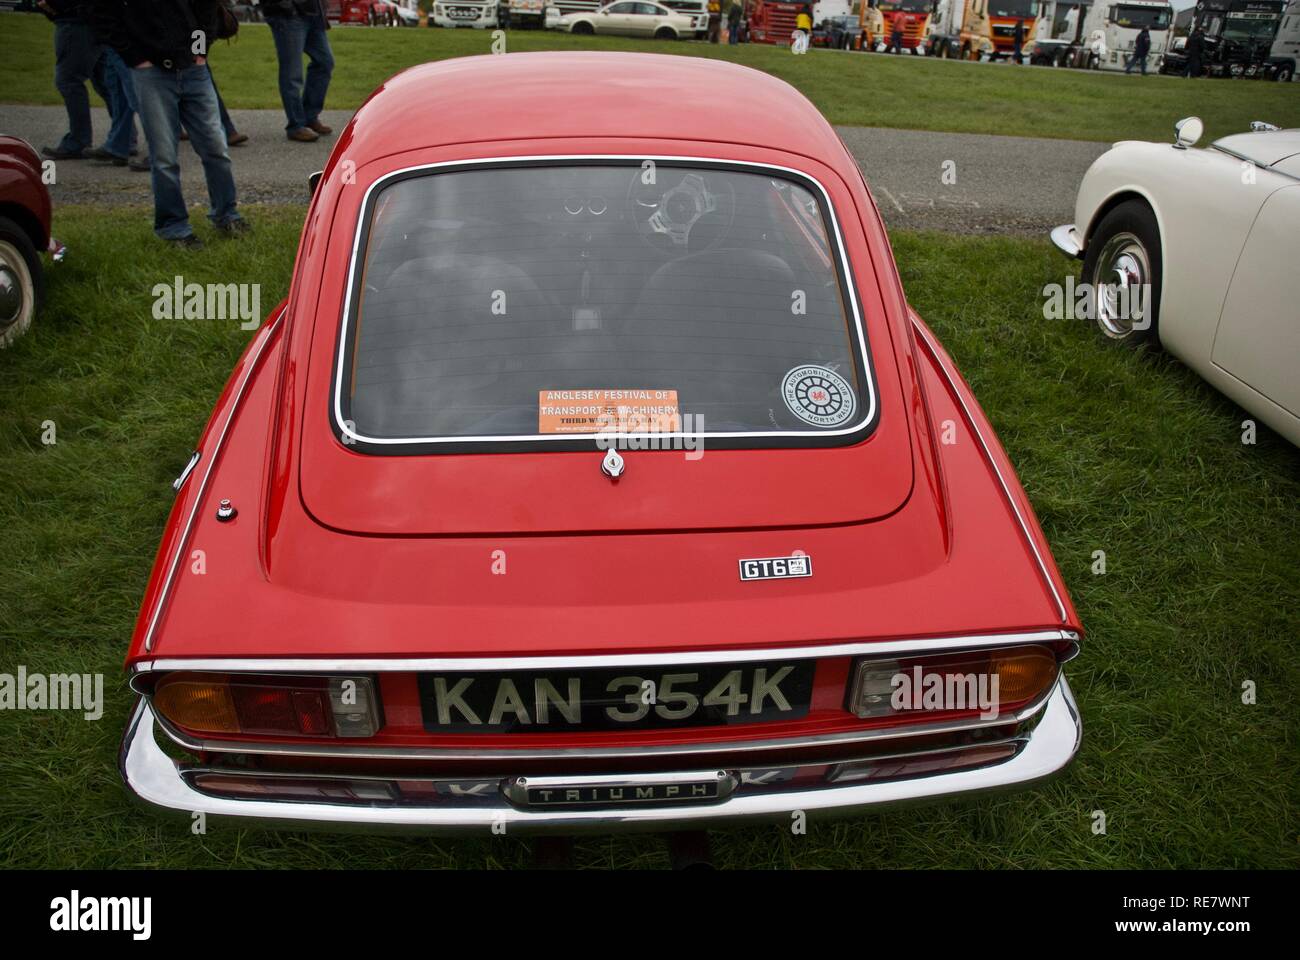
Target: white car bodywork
{"type": "Point", "coordinates": [628, 18]}
{"type": "Point", "coordinates": [1229, 225]}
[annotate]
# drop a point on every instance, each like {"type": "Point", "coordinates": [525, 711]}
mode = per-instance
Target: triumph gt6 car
{"type": "Point", "coordinates": [595, 474]}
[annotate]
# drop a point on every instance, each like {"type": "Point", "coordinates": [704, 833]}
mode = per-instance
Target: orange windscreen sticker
{"type": "Point", "coordinates": [608, 411]}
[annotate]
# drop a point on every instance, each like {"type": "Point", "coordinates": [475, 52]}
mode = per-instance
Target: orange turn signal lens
{"type": "Point", "coordinates": [1023, 672]}
{"type": "Point", "coordinates": [198, 702]}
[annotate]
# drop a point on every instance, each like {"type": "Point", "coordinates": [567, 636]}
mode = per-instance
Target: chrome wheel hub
{"type": "Point", "coordinates": [1121, 282]}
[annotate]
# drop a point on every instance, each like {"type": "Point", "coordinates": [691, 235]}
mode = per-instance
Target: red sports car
{"type": "Point", "coordinates": [594, 474]}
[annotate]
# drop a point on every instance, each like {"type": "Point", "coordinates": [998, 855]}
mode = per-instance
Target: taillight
{"type": "Point", "coordinates": [269, 705]}
{"type": "Point", "coordinates": [985, 682]}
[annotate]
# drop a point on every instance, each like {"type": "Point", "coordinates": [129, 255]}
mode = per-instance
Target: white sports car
{"type": "Point", "coordinates": [1211, 235]}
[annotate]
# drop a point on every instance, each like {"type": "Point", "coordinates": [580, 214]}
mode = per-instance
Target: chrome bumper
{"type": "Point", "coordinates": [1067, 240]}
{"type": "Point", "coordinates": [156, 779]}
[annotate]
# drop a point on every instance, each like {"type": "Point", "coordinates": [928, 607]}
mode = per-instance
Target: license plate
{"type": "Point", "coordinates": [616, 698]}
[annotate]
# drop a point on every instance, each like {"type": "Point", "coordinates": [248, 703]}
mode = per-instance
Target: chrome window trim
{"type": "Point", "coordinates": [345, 430]}
{"type": "Point", "coordinates": [236, 402]}
{"type": "Point", "coordinates": [992, 461]}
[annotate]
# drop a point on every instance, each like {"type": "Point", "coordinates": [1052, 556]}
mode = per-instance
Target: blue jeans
{"type": "Point", "coordinates": [76, 60]}
{"type": "Point", "coordinates": [733, 33]}
{"type": "Point", "coordinates": [122, 106]}
{"type": "Point", "coordinates": [1135, 61]}
{"type": "Point", "coordinates": [167, 99]}
{"type": "Point", "coordinates": [293, 37]}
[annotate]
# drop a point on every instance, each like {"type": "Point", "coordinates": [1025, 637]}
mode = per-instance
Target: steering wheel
{"type": "Point", "coordinates": [678, 212]}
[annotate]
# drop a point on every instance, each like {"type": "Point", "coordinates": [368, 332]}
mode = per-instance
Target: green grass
{"type": "Point", "coordinates": [854, 89]}
{"type": "Point", "coordinates": [1126, 452]}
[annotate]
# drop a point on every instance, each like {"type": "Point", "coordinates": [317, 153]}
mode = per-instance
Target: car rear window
{"type": "Point", "coordinates": [534, 303]}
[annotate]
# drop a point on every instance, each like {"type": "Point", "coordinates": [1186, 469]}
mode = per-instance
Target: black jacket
{"type": "Point", "coordinates": [67, 10]}
{"type": "Point", "coordinates": [291, 8]}
{"type": "Point", "coordinates": [1142, 46]}
{"type": "Point", "coordinates": [160, 31]}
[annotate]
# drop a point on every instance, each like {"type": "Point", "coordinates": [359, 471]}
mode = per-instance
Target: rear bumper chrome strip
{"type": "Point", "coordinates": [584, 662]}
{"type": "Point", "coordinates": [158, 780]}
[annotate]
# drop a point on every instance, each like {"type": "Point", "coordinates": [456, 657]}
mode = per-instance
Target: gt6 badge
{"type": "Point", "coordinates": [776, 568]}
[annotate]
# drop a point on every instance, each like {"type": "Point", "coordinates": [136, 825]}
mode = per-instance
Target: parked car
{"type": "Point", "coordinates": [605, 481]}
{"type": "Point", "coordinates": [837, 33]}
{"type": "Point", "coordinates": [697, 10]}
{"type": "Point", "coordinates": [629, 18]}
{"type": "Point", "coordinates": [1212, 235]}
{"type": "Point", "coordinates": [247, 12]}
{"type": "Point", "coordinates": [24, 236]}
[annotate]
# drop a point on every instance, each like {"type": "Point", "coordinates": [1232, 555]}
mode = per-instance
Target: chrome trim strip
{"type": "Point", "coordinates": [516, 789]}
{"type": "Point", "coordinates": [342, 425]}
{"type": "Point", "coordinates": [988, 455]}
{"type": "Point", "coordinates": [674, 658]}
{"type": "Point", "coordinates": [165, 594]}
{"type": "Point", "coordinates": [155, 779]}
{"type": "Point", "coordinates": [189, 468]}
{"type": "Point", "coordinates": [1066, 239]}
{"type": "Point", "coordinates": [583, 753]}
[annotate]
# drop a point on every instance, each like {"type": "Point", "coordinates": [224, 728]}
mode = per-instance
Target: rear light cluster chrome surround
{"type": "Point", "coordinates": [149, 676]}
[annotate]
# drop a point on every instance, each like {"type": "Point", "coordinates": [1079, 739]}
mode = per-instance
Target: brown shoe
{"type": "Point", "coordinates": [321, 128]}
{"type": "Point", "coordinates": [302, 135]}
{"type": "Point", "coordinates": [235, 139]}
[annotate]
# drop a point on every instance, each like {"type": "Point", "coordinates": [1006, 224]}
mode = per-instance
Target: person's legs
{"type": "Point", "coordinates": [317, 47]}
{"type": "Point", "coordinates": [74, 64]}
{"type": "Point", "coordinates": [227, 124]}
{"type": "Point", "coordinates": [290, 34]}
{"type": "Point", "coordinates": [158, 97]}
{"type": "Point", "coordinates": [122, 105]}
{"type": "Point", "coordinates": [1143, 61]}
{"type": "Point", "coordinates": [202, 118]}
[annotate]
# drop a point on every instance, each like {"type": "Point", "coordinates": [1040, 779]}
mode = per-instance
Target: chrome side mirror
{"type": "Point", "coordinates": [1259, 126]}
{"type": "Point", "coordinates": [1187, 132]}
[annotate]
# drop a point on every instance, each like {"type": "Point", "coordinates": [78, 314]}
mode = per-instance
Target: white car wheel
{"type": "Point", "coordinates": [1122, 266]}
{"type": "Point", "coordinates": [20, 282]}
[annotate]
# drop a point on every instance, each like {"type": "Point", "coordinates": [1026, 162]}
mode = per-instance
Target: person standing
{"type": "Point", "coordinates": [1018, 42]}
{"type": "Point", "coordinates": [802, 30]}
{"type": "Point", "coordinates": [1141, 48]}
{"type": "Point", "coordinates": [896, 35]}
{"type": "Point", "coordinates": [122, 108]}
{"type": "Point", "coordinates": [77, 58]}
{"type": "Point", "coordinates": [298, 27]}
{"type": "Point", "coordinates": [173, 88]}
{"type": "Point", "coordinates": [733, 22]}
{"type": "Point", "coordinates": [1193, 50]}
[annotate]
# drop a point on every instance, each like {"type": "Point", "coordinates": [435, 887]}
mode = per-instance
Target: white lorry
{"type": "Point", "coordinates": [1111, 29]}
{"type": "Point", "coordinates": [1285, 52]}
{"type": "Point", "coordinates": [479, 14]}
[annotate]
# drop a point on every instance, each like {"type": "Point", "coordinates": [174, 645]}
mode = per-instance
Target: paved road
{"type": "Point", "coordinates": [957, 182]}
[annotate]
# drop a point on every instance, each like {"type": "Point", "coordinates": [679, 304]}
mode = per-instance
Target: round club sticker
{"type": "Point", "coordinates": [818, 395]}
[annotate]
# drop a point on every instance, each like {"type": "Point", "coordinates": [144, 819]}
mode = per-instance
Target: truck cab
{"type": "Point", "coordinates": [1119, 25]}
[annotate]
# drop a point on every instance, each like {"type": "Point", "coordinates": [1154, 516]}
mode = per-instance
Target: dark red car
{"type": "Point", "coordinates": [24, 235]}
{"type": "Point", "coordinates": [594, 474]}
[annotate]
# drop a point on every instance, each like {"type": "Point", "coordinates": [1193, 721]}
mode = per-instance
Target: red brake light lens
{"type": "Point", "coordinates": [268, 705]}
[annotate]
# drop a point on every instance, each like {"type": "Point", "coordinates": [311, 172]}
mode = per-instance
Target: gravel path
{"type": "Point", "coordinates": [956, 182]}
